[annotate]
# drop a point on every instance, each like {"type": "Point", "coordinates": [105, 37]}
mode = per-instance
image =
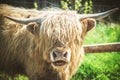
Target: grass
{"type": "Point", "coordinates": [99, 66]}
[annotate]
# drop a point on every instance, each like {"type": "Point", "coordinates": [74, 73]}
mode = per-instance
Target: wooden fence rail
{"type": "Point", "coordinates": [98, 48]}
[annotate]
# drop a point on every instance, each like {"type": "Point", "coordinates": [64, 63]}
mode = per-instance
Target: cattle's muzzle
{"type": "Point", "coordinates": [59, 58]}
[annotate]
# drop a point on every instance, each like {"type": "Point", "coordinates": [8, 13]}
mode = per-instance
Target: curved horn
{"type": "Point", "coordinates": [98, 15]}
{"type": "Point", "coordinates": [23, 20]}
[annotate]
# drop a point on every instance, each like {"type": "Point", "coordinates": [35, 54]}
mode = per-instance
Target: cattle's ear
{"type": "Point", "coordinates": [33, 27]}
{"type": "Point", "coordinates": [88, 23]}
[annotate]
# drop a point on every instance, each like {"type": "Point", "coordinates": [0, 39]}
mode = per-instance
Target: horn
{"type": "Point", "coordinates": [98, 16]}
{"type": "Point", "coordinates": [23, 20]}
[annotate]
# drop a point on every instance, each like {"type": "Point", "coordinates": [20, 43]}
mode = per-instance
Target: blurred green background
{"type": "Point", "coordinates": [101, 66]}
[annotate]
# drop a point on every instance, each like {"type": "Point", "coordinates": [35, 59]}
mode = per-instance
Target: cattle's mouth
{"type": "Point", "coordinates": [59, 62]}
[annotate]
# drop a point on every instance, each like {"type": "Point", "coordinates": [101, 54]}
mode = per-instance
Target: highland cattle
{"type": "Point", "coordinates": [43, 45]}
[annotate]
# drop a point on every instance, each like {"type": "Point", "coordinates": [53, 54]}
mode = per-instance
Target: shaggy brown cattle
{"type": "Point", "coordinates": [43, 45]}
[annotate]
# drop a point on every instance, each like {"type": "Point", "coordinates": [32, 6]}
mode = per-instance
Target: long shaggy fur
{"type": "Point", "coordinates": [24, 53]}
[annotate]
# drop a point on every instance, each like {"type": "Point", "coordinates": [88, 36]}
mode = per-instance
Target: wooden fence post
{"type": "Point", "coordinates": [98, 48]}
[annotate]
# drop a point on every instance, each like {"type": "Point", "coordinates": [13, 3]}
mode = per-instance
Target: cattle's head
{"type": "Point", "coordinates": [61, 35]}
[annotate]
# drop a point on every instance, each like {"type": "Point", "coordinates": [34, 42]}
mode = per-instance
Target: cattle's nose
{"type": "Point", "coordinates": [60, 58]}
{"type": "Point", "coordinates": [57, 54]}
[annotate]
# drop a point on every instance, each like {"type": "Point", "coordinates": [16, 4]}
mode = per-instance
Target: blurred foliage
{"type": "Point", "coordinates": [82, 6]}
{"type": "Point", "coordinates": [4, 77]}
{"type": "Point", "coordinates": [104, 34]}
{"type": "Point", "coordinates": [101, 66]}
{"type": "Point", "coordinates": [64, 4]}
{"type": "Point", "coordinates": [7, 77]}
{"type": "Point", "coordinates": [21, 77]}
{"type": "Point", "coordinates": [35, 5]}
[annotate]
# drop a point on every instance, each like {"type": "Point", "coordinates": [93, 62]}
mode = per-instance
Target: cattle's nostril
{"type": "Point", "coordinates": [54, 54]}
{"type": "Point", "coordinates": [65, 55]}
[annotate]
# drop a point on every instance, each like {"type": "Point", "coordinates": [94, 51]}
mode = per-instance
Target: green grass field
{"type": "Point", "coordinates": [99, 66]}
